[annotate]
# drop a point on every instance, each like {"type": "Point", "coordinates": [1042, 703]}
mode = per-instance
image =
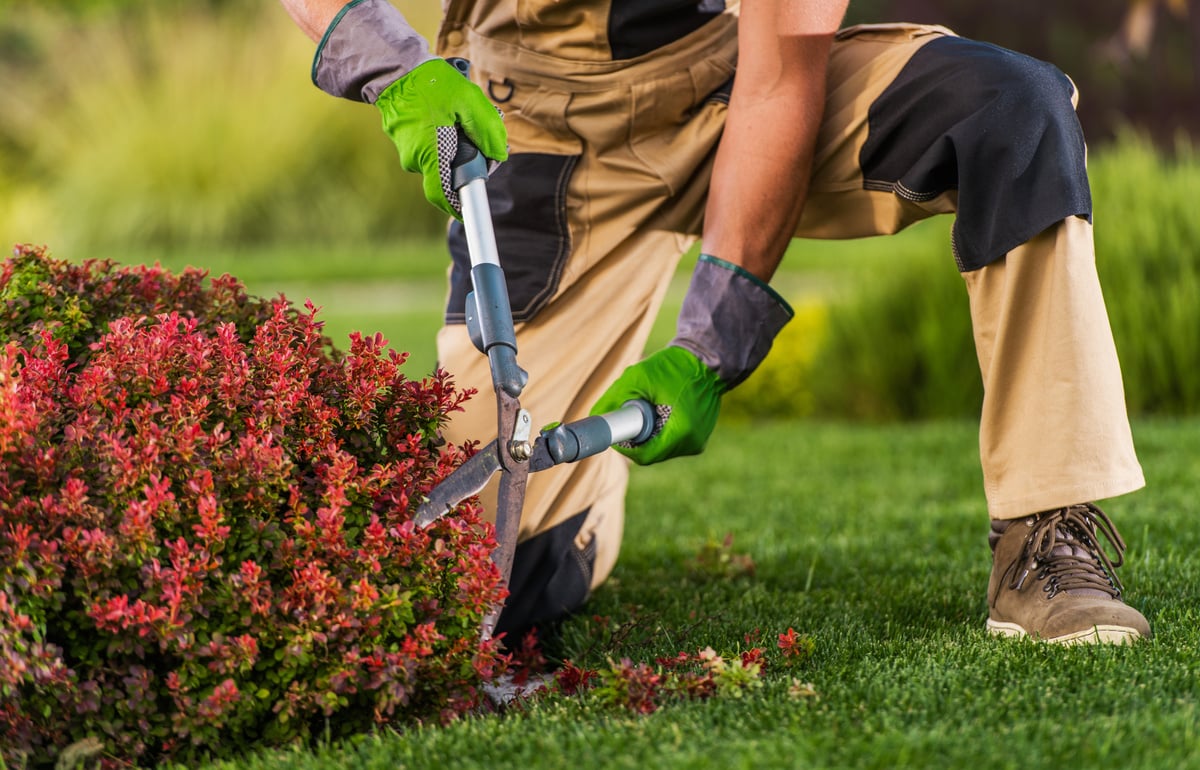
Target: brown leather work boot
{"type": "Point", "coordinates": [1052, 580]}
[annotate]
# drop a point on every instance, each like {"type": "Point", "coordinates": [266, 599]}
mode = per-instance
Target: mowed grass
{"type": "Point", "coordinates": [873, 541]}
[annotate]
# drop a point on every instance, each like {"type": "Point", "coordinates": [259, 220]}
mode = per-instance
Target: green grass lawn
{"type": "Point", "coordinates": [873, 541]}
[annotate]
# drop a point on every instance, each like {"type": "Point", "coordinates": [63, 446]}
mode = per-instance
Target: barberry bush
{"type": "Point", "coordinates": [205, 534]}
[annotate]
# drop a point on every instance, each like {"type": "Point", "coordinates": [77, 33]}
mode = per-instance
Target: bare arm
{"type": "Point", "coordinates": [760, 179]}
{"type": "Point", "coordinates": [313, 16]}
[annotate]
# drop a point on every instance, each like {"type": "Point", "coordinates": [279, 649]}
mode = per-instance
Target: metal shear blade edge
{"type": "Point", "coordinates": [468, 479]}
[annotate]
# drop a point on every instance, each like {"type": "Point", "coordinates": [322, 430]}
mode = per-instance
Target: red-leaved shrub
{"type": "Point", "coordinates": [205, 535]}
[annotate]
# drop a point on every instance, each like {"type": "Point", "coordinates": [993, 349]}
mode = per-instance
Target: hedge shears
{"type": "Point", "coordinates": [516, 451]}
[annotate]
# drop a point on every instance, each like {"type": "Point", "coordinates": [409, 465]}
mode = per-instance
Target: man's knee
{"type": "Point", "coordinates": [1029, 104]}
{"type": "Point", "coordinates": [994, 126]}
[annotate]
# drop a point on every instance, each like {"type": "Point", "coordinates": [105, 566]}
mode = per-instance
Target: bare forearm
{"type": "Point", "coordinates": [313, 16]}
{"type": "Point", "coordinates": [763, 165]}
{"type": "Point", "coordinates": [760, 180]}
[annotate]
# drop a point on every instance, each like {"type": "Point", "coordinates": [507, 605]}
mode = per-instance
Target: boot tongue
{"type": "Point", "coordinates": [1062, 547]}
{"type": "Point", "coordinates": [1068, 548]}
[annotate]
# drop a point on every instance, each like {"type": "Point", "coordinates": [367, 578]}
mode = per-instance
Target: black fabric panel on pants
{"type": "Point", "coordinates": [995, 125]}
{"type": "Point", "coordinates": [636, 27]}
{"type": "Point", "coordinates": [527, 196]}
{"type": "Point", "coordinates": [551, 578]}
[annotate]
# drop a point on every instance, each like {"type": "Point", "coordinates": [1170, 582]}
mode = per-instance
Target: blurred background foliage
{"type": "Point", "coordinates": [189, 132]}
{"type": "Point", "coordinates": [172, 123]}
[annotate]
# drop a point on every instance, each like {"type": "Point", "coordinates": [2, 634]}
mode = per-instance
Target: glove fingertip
{"type": "Point", "coordinates": [491, 141]}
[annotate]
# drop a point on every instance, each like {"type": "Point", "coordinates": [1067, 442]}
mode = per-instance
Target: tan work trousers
{"type": "Point", "coordinates": [1054, 429]}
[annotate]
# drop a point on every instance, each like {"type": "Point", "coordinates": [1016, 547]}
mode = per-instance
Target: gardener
{"type": "Point", "coordinates": [624, 133]}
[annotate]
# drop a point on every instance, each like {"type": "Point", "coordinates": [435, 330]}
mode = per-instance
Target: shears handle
{"type": "Point", "coordinates": [633, 423]}
{"type": "Point", "coordinates": [492, 311]}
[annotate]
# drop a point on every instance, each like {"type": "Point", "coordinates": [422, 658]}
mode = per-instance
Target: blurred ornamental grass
{"type": "Point", "coordinates": [174, 126]}
{"type": "Point", "coordinates": [1147, 215]}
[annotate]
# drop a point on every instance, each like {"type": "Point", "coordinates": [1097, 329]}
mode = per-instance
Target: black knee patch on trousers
{"type": "Point", "coordinates": [996, 126]}
{"type": "Point", "coordinates": [551, 578]}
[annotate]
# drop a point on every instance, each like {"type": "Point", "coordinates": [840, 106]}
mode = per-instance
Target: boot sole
{"type": "Point", "coordinates": [1093, 635]}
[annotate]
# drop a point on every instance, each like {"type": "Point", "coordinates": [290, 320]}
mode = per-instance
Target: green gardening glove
{"type": "Point", "coordinates": [371, 54]}
{"type": "Point", "coordinates": [420, 112]}
{"type": "Point", "coordinates": [725, 328]}
{"type": "Point", "coordinates": [683, 388]}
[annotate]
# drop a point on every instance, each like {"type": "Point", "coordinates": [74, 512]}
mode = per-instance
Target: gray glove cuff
{"type": "Point", "coordinates": [367, 47]}
{"type": "Point", "coordinates": [729, 319]}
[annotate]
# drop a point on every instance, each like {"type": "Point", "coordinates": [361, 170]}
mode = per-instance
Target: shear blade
{"type": "Point", "coordinates": [468, 479]}
{"type": "Point", "coordinates": [510, 498]}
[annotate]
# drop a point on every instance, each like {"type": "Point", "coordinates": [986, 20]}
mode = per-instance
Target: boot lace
{"type": "Point", "coordinates": [1063, 548]}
